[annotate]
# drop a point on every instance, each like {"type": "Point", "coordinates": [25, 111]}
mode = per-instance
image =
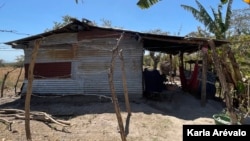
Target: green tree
{"type": "Point", "coordinates": [218, 25]}
{"type": "Point", "coordinates": [142, 3]}
{"type": "Point", "coordinates": [200, 33]}
{"type": "Point", "coordinates": [19, 61]}
{"type": "Point", "coordinates": [68, 19]}
{"type": "Point", "coordinates": [240, 22]}
{"type": "Point", "coordinates": [65, 20]}
{"type": "Point", "coordinates": [147, 61]}
{"type": "Point", "coordinates": [156, 56]}
{"type": "Point", "coordinates": [1, 62]}
{"type": "Point", "coordinates": [146, 3]}
{"type": "Point", "coordinates": [240, 45]}
{"type": "Point", "coordinates": [240, 37]}
{"type": "Point", "coordinates": [106, 23]}
{"type": "Point", "coordinates": [158, 31]}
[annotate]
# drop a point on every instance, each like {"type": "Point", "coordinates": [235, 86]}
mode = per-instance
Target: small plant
{"type": "Point", "coordinates": [241, 105]}
{"type": "Point", "coordinates": [241, 95]}
{"type": "Point", "coordinates": [240, 101]}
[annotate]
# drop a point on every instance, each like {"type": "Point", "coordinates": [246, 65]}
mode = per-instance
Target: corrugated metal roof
{"type": "Point", "coordinates": [153, 42]}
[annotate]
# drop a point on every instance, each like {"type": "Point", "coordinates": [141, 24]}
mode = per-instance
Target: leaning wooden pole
{"type": "Point", "coordinates": [29, 89]}
{"type": "Point", "coordinates": [19, 75]}
{"type": "Point", "coordinates": [223, 82]}
{"type": "Point", "coordinates": [112, 89]}
{"type": "Point", "coordinates": [124, 82]}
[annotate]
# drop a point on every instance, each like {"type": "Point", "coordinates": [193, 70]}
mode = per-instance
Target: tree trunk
{"type": "Point", "coordinates": [235, 65]}
{"type": "Point", "coordinates": [221, 75]}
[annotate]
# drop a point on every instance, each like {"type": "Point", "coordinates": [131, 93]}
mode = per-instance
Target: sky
{"type": "Point", "coordinates": [24, 18]}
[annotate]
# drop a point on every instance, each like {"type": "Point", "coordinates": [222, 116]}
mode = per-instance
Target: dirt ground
{"type": "Point", "coordinates": [94, 119]}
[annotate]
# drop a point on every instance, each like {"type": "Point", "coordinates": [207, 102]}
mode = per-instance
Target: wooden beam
{"type": "Point", "coordinates": [176, 41]}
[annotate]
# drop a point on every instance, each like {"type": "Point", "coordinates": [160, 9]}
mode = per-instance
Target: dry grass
{"type": "Point", "coordinates": [12, 78]}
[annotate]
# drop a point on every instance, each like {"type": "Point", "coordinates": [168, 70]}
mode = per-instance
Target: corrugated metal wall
{"type": "Point", "coordinates": [94, 62]}
{"type": "Point", "coordinates": [90, 59]}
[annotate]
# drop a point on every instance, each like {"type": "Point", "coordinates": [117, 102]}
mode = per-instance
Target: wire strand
{"type": "Point", "coordinates": [14, 32]}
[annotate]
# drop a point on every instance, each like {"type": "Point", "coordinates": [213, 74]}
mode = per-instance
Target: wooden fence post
{"type": "Point", "coordinates": [112, 89]}
{"type": "Point", "coordinates": [29, 89]}
{"type": "Point", "coordinates": [19, 75]}
{"type": "Point", "coordinates": [124, 82]}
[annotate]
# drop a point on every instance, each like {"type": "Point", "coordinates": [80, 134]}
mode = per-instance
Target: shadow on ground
{"type": "Point", "coordinates": [182, 105]}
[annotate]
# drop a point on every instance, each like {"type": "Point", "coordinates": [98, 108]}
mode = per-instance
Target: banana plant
{"type": "Point", "coordinates": [144, 4]}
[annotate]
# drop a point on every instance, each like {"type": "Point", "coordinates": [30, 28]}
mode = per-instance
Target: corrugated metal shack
{"type": "Point", "coordinates": [75, 59]}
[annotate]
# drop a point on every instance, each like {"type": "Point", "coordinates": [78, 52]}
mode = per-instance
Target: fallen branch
{"type": "Point", "coordinates": [7, 115]}
{"type": "Point", "coordinates": [50, 119]}
{"type": "Point", "coordinates": [11, 111]}
{"type": "Point", "coordinates": [7, 123]}
{"type": "Point", "coordinates": [39, 116]}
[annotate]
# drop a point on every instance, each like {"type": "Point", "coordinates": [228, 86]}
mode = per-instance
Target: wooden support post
{"type": "Point", "coordinates": [223, 82]}
{"type": "Point", "coordinates": [124, 82]}
{"type": "Point", "coordinates": [171, 76]}
{"type": "Point", "coordinates": [171, 61]}
{"type": "Point", "coordinates": [181, 60]}
{"type": "Point", "coordinates": [112, 89]}
{"type": "Point", "coordinates": [204, 77]}
{"type": "Point", "coordinates": [29, 89]}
